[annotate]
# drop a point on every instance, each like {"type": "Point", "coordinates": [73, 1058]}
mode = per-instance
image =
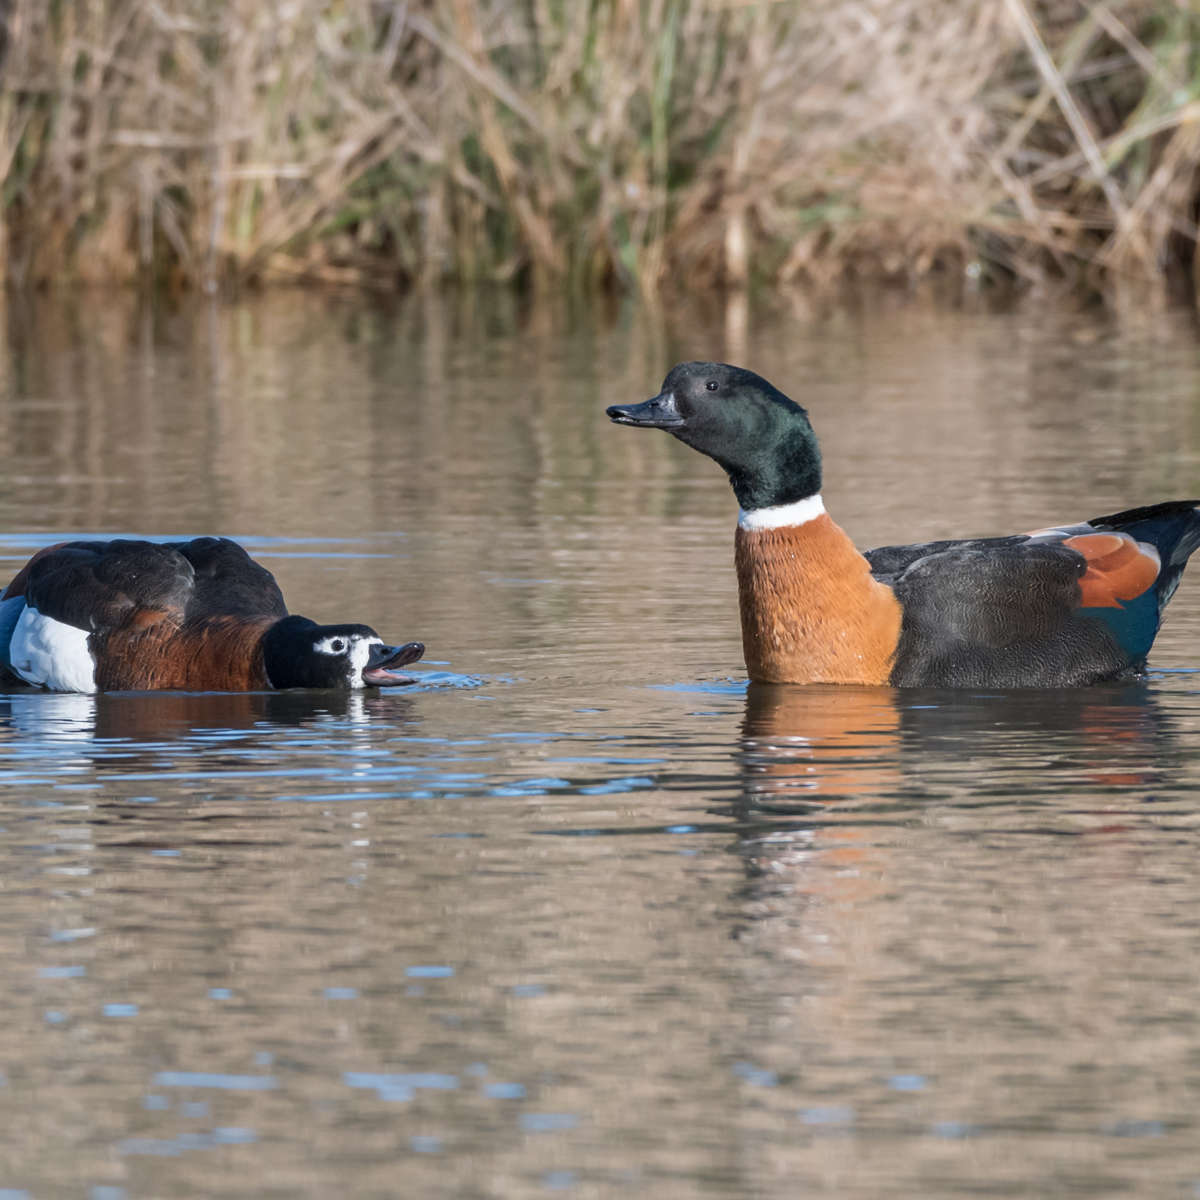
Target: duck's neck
{"type": "Point", "coordinates": [781, 516]}
{"type": "Point", "coordinates": [811, 611]}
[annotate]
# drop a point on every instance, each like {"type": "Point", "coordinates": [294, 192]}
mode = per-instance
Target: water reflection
{"type": "Point", "coordinates": [478, 938]}
{"type": "Point", "coordinates": [827, 774]}
{"type": "Point", "coordinates": [34, 714]}
{"type": "Point", "coordinates": [143, 717]}
{"type": "Point", "coordinates": [957, 916]}
{"type": "Point", "coordinates": [1114, 736]}
{"type": "Point", "coordinates": [159, 716]}
{"type": "Point", "coordinates": [804, 748]}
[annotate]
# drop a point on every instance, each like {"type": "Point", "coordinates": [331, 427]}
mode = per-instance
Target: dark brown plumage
{"type": "Point", "coordinates": [198, 615]}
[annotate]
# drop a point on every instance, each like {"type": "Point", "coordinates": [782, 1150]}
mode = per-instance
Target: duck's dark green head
{"type": "Point", "coordinates": [761, 438]}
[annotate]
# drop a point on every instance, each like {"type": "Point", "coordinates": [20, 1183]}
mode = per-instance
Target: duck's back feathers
{"type": "Point", "coordinates": [100, 586]}
{"type": "Point", "coordinates": [146, 614]}
{"type": "Point", "coordinates": [1069, 605]}
{"type": "Point", "coordinates": [1000, 616]}
{"type": "Point", "coordinates": [226, 580]}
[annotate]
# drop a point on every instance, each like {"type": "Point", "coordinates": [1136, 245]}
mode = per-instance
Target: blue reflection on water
{"type": "Point", "coordinates": [548, 1122]}
{"type": "Point", "coordinates": [827, 1114]}
{"type": "Point", "coordinates": [399, 1085]}
{"type": "Point", "coordinates": [759, 1076]}
{"type": "Point", "coordinates": [183, 1142]}
{"type": "Point", "coordinates": [212, 1079]}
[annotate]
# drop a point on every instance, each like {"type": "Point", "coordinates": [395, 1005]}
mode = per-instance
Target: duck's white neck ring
{"type": "Point", "coordinates": [798, 513]}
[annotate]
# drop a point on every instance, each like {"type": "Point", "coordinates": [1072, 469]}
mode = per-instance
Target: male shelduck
{"type": "Point", "coordinates": [1076, 604]}
{"type": "Point", "coordinates": [193, 616]}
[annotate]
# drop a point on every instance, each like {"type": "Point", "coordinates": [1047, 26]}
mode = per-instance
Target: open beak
{"type": "Point", "coordinates": [379, 669]}
{"type": "Point", "coordinates": [659, 412]}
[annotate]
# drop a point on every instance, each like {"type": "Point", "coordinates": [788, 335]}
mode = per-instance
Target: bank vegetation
{"type": "Point", "coordinates": [653, 144]}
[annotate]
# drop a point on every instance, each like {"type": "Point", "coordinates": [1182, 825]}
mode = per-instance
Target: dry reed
{"type": "Point", "coordinates": [639, 142]}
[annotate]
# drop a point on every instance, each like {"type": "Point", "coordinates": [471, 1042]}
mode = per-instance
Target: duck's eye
{"type": "Point", "coordinates": [337, 645]}
{"type": "Point", "coordinates": [712, 385]}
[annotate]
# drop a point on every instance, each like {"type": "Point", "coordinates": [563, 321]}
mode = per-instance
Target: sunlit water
{"type": "Point", "coordinates": [581, 914]}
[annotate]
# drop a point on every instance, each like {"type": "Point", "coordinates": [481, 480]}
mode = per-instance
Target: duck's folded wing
{"type": "Point", "coordinates": [102, 586]}
{"type": "Point", "coordinates": [887, 562]}
{"type": "Point", "coordinates": [1063, 608]}
{"type": "Point", "coordinates": [228, 582]}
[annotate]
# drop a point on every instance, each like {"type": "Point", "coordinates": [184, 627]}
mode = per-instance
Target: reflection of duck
{"type": "Point", "coordinates": [817, 762]}
{"type": "Point", "coordinates": [1116, 733]}
{"type": "Point", "coordinates": [805, 753]}
{"type": "Point", "coordinates": [805, 746]}
{"type": "Point", "coordinates": [158, 716]}
{"type": "Point", "coordinates": [1061, 607]}
{"type": "Point", "coordinates": [197, 616]}
{"type": "Point", "coordinates": [237, 742]}
{"type": "Point", "coordinates": [179, 714]}
{"type": "Point", "coordinates": [69, 717]}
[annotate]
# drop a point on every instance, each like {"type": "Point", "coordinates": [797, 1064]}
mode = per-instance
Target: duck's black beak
{"type": "Point", "coordinates": [378, 671]}
{"type": "Point", "coordinates": [659, 412]}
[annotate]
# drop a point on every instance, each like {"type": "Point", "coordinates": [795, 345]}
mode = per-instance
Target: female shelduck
{"type": "Point", "coordinates": [193, 616]}
{"type": "Point", "coordinates": [1066, 606]}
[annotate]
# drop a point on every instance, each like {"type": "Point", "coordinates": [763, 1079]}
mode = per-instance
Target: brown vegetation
{"type": "Point", "coordinates": [638, 142]}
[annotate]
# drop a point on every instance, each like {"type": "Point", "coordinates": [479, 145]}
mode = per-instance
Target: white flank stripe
{"type": "Point", "coordinates": [52, 654]}
{"type": "Point", "coordinates": [799, 513]}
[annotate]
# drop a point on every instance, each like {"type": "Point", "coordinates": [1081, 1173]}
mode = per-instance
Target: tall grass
{"type": "Point", "coordinates": [648, 143]}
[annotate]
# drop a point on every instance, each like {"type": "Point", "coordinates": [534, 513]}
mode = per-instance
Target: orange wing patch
{"type": "Point", "coordinates": [1119, 568]}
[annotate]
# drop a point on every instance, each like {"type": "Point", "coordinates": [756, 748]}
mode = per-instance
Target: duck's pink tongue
{"type": "Point", "coordinates": [379, 673]}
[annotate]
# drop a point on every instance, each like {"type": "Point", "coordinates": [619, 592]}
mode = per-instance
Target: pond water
{"type": "Point", "coordinates": [581, 914]}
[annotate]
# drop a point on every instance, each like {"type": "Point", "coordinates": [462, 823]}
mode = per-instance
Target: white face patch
{"type": "Point", "coordinates": [331, 645]}
{"type": "Point", "coordinates": [799, 513]}
{"type": "Point", "coordinates": [52, 654]}
{"type": "Point", "coordinates": [358, 649]}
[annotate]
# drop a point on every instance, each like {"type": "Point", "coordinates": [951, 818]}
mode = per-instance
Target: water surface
{"type": "Point", "coordinates": [582, 913]}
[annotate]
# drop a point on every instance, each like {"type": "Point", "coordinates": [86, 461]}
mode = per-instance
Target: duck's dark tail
{"type": "Point", "coordinates": [1172, 528]}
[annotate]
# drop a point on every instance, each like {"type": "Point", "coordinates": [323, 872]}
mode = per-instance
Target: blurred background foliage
{"type": "Point", "coordinates": [663, 145]}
